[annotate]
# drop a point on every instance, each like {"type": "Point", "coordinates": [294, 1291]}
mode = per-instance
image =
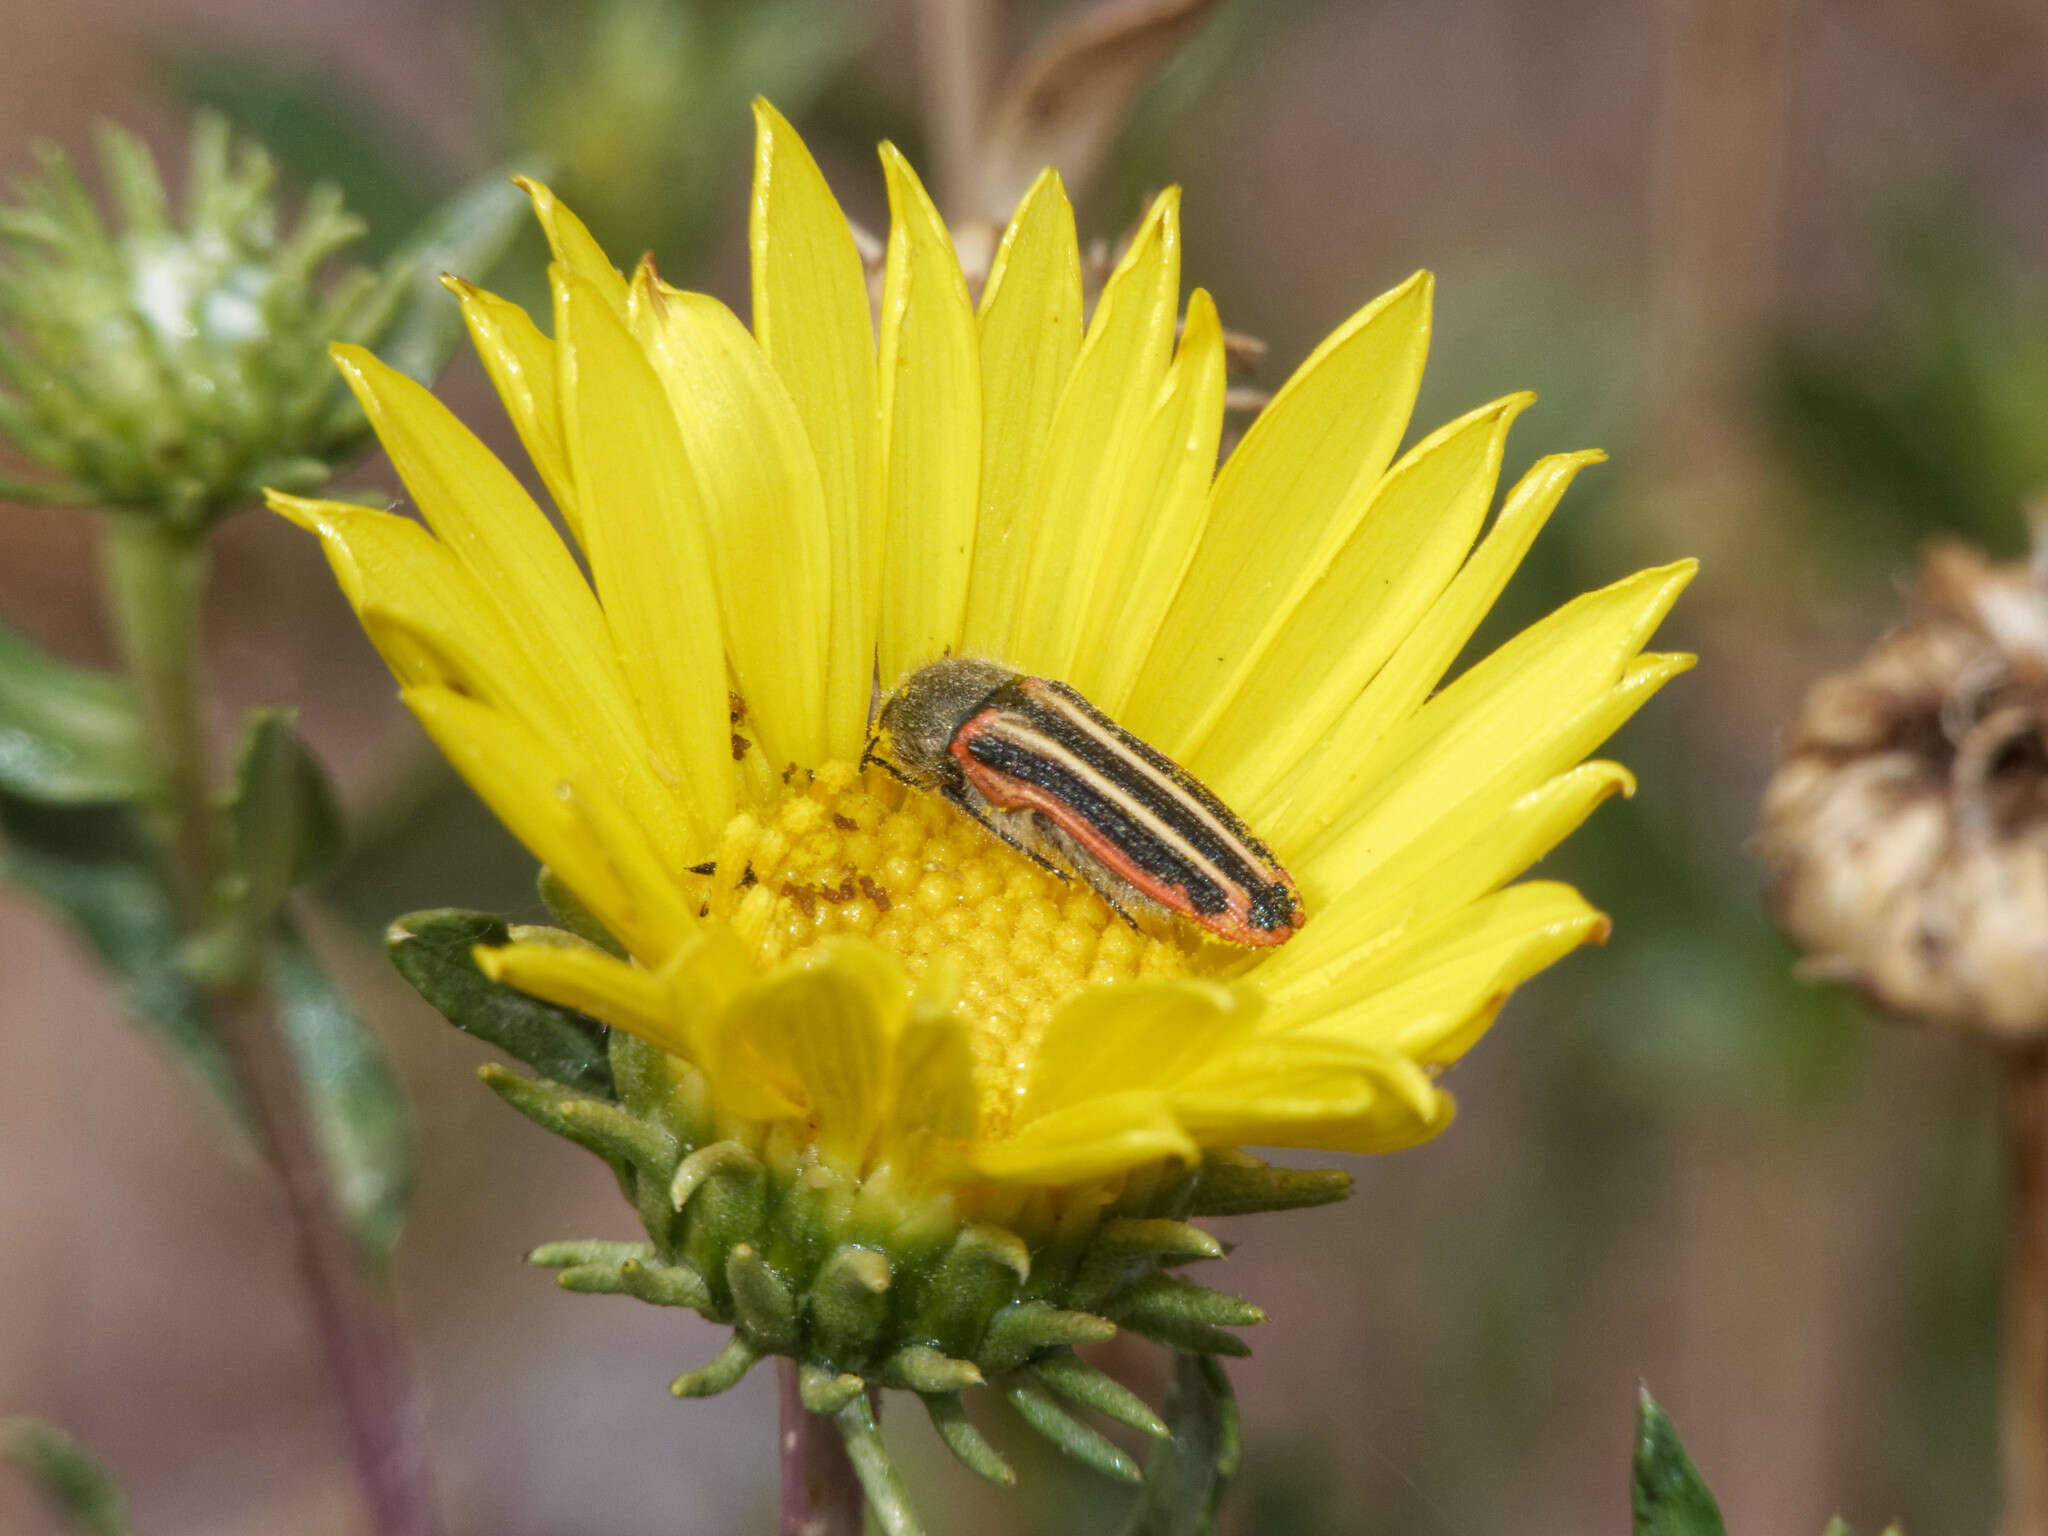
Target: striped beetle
{"type": "Point", "coordinates": [1056, 778]}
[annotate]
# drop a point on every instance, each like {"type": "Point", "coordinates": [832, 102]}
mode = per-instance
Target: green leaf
{"type": "Point", "coordinates": [68, 735]}
{"type": "Point", "coordinates": [94, 866]}
{"type": "Point", "coordinates": [71, 1477]}
{"type": "Point", "coordinates": [432, 951]}
{"type": "Point", "coordinates": [466, 236]}
{"type": "Point", "coordinates": [1188, 1474]}
{"type": "Point", "coordinates": [284, 823]}
{"type": "Point", "coordinates": [358, 1111]}
{"type": "Point", "coordinates": [1668, 1494]}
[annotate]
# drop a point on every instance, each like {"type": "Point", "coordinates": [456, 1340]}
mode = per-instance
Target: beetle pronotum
{"type": "Point", "coordinates": [1051, 774]}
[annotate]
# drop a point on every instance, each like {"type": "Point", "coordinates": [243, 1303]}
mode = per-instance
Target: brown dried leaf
{"type": "Point", "coordinates": [1069, 97]}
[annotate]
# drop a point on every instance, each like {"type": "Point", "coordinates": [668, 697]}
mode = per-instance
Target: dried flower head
{"type": "Point", "coordinates": [1907, 828]}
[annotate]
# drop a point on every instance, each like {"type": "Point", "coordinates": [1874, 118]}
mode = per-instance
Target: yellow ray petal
{"type": "Point", "coordinates": [429, 618]}
{"type": "Point", "coordinates": [1488, 840]}
{"type": "Point", "coordinates": [1424, 998]}
{"type": "Point", "coordinates": [811, 318]}
{"type": "Point", "coordinates": [930, 402]}
{"type": "Point", "coordinates": [763, 509]}
{"type": "Point", "coordinates": [1561, 659]}
{"type": "Point", "coordinates": [573, 246]}
{"type": "Point", "coordinates": [540, 794]}
{"type": "Point", "coordinates": [1325, 644]}
{"type": "Point", "coordinates": [1313, 1096]}
{"type": "Point", "coordinates": [1030, 336]}
{"type": "Point", "coordinates": [821, 1034]}
{"type": "Point", "coordinates": [644, 532]}
{"type": "Point", "coordinates": [1459, 951]}
{"type": "Point", "coordinates": [435, 622]}
{"type": "Point", "coordinates": [1389, 1123]}
{"type": "Point", "coordinates": [591, 981]}
{"type": "Point", "coordinates": [1109, 399]}
{"type": "Point", "coordinates": [1157, 515]}
{"type": "Point", "coordinates": [521, 363]}
{"type": "Point", "coordinates": [1330, 778]}
{"type": "Point", "coordinates": [1088, 1140]}
{"type": "Point", "coordinates": [1491, 756]}
{"type": "Point", "coordinates": [703, 975]}
{"type": "Point", "coordinates": [484, 516]}
{"type": "Point", "coordinates": [1132, 1035]}
{"type": "Point", "coordinates": [1333, 426]}
{"type": "Point", "coordinates": [934, 1093]}
{"type": "Point", "coordinates": [1524, 713]}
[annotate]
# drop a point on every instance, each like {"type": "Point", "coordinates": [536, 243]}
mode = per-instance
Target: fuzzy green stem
{"type": "Point", "coordinates": [821, 1496]}
{"type": "Point", "coordinates": [2023, 1394]}
{"type": "Point", "coordinates": [155, 576]}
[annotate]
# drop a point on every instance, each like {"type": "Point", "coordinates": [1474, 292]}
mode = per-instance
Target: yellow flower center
{"type": "Point", "coordinates": [846, 851]}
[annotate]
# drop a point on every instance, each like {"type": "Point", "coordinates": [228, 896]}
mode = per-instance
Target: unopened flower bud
{"type": "Point", "coordinates": [173, 360]}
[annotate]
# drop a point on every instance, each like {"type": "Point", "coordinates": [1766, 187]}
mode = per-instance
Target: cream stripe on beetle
{"type": "Point", "coordinates": [1154, 767]}
{"type": "Point", "coordinates": [1009, 728]}
{"type": "Point", "coordinates": [1044, 769]}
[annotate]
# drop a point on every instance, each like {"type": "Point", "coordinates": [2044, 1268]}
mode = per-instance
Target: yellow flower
{"type": "Point", "coordinates": [946, 1097]}
{"type": "Point", "coordinates": [773, 519]}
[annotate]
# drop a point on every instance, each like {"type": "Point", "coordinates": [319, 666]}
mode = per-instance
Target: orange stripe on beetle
{"type": "Point", "coordinates": [1045, 770]}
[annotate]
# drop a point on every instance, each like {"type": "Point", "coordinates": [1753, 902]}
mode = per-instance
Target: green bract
{"type": "Point", "coordinates": [865, 1285]}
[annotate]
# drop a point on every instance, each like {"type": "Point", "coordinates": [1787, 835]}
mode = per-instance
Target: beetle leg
{"type": "Point", "coordinates": [967, 800]}
{"type": "Point", "coordinates": [881, 762]}
{"type": "Point", "coordinates": [1118, 908]}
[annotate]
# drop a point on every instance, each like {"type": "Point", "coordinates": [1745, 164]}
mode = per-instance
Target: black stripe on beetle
{"type": "Point", "coordinates": [1048, 772]}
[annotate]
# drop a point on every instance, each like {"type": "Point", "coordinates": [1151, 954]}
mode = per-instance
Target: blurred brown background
{"type": "Point", "coordinates": [1778, 258]}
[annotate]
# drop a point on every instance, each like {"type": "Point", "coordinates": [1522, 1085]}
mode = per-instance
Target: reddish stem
{"type": "Point", "coordinates": [2023, 1392]}
{"type": "Point", "coordinates": [820, 1494]}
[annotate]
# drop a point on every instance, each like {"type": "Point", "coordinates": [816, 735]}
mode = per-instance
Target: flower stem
{"type": "Point", "coordinates": [2023, 1391]}
{"type": "Point", "coordinates": [366, 1365]}
{"type": "Point", "coordinates": [820, 1494]}
{"type": "Point", "coordinates": [155, 575]}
